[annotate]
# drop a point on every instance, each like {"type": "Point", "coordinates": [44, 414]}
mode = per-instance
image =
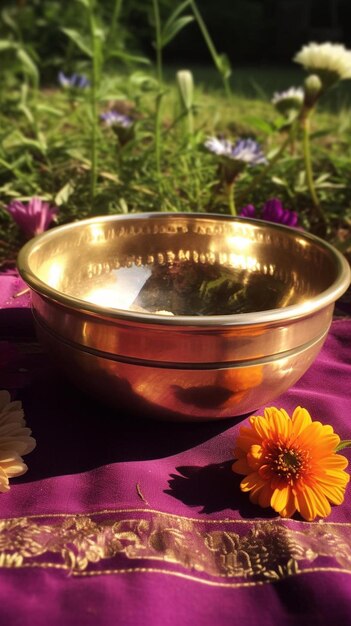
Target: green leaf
{"type": "Point", "coordinates": [63, 195]}
{"type": "Point", "coordinates": [173, 27]}
{"type": "Point", "coordinates": [223, 65]}
{"type": "Point", "coordinates": [80, 41]}
{"type": "Point", "coordinates": [343, 444]}
{"type": "Point", "coordinates": [45, 108]}
{"type": "Point", "coordinates": [279, 181]}
{"type": "Point", "coordinates": [109, 176]}
{"type": "Point", "coordinates": [178, 10]}
{"type": "Point", "coordinates": [6, 165]}
{"type": "Point", "coordinates": [123, 206]}
{"type": "Point", "coordinates": [8, 190]}
{"type": "Point", "coordinates": [125, 56]}
{"type": "Point", "coordinates": [281, 123]}
{"type": "Point", "coordinates": [260, 124]}
{"type": "Point", "coordinates": [143, 81]}
{"type": "Point", "coordinates": [28, 65]}
{"type": "Point", "coordinates": [7, 45]}
{"type": "Point", "coordinates": [322, 177]}
{"type": "Point", "coordinates": [17, 140]}
{"type": "Point", "coordinates": [27, 112]}
{"type": "Point", "coordinates": [76, 154]}
{"type": "Point", "coordinates": [42, 141]}
{"type": "Point", "coordinates": [9, 21]}
{"type": "Point", "coordinates": [110, 95]}
{"type": "Point", "coordinates": [85, 3]}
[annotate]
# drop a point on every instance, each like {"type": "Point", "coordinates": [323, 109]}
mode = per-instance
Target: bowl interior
{"type": "Point", "coordinates": [179, 264]}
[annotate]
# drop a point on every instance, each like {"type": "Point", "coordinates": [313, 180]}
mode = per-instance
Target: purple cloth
{"type": "Point", "coordinates": [15, 315]}
{"type": "Point", "coordinates": [14, 293]}
{"type": "Point", "coordinates": [120, 520]}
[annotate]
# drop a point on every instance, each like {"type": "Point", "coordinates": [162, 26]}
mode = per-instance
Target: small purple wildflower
{"type": "Point", "coordinates": [273, 211]}
{"type": "Point", "coordinates": [75, 81]}
{"type": "Point", "coordinates": [245, 151]}
{"type": "Point", "coordinates": [122, 125]}
{"type": "Point", "coordinates": [248, 211]}
{"type": "Point", "coordinates": [33, 217]}
{"type": "Point", "coordinates": [248, 151]}
{"type": "Point", "coordinates": [113, 118]}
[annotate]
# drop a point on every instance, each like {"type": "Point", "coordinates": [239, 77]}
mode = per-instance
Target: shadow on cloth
{"type": "Point", "coordinates": [215, 487]}
{"type": "Point", "coordinates": [16, 322]}
{"type": "Point", "coordinates": [75, 433]}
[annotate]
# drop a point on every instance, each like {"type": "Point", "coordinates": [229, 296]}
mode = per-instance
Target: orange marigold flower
{"type": "Point", "coordinates": [290, 463]}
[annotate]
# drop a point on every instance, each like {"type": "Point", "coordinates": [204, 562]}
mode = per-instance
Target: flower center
{"type": "Point", "coordinates": [285, 462]}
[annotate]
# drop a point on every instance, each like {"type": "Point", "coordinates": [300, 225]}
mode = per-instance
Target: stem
{"type": "Point", "coordinates": [159, 96]}
{"type": "Point", "coordinates": [292, 135]}
{"type": "Point", "coordinates": [197, 185]}
{"type": "Point", "coordinates": [210, 45]}
{"type": "Point", "coordinates": [231, 201]}
{"type": "Point", "coordinates": [93, 104]}
{"type": "Point", "coordinates": [190, 121]}
{"type": "Point", "coordinates": [158, 118]}
{"type": "Point", "coordinates": [114, 20]}
{"type": "Point", "coordinates": [260, 176]}
{"type": "Point", "coordinates": [308, 166]}
{"type": "Point", "coordinates": [305, 121]}
{"type": "Point", "coordinates": [343, 444]}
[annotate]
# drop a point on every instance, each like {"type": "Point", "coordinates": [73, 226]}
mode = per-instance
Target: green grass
{"type": "Point", "coordinates": [45, 149]}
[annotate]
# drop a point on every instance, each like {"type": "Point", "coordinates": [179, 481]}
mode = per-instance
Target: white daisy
{"type": "Point", "coordinates": [331, 61]}
{"type": "Point", "coordinates": [290, 98]}
{"type": "Point", "coordinates": [244, 150]}
{"type": "Point", "coordinates": [15, 440]}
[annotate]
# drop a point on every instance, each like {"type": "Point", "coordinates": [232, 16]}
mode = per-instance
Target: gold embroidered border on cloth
{"type": "Point", "coordinates": [234, 552]}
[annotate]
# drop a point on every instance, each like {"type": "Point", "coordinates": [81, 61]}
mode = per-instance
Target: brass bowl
{"type": "Point", "coordinates": [276, 285]}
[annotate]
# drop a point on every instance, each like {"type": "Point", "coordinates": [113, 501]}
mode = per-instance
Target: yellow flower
{"type": "Point", "coordinates": [290, 463]}
{"type": "Point", "coordinates": [15, 440]}
{"type": "Point", "coordinates": [330, 61]}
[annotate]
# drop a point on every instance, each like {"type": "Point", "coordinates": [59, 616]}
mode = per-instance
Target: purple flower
{"type": "Point", "coordinates": [248, 211]}
{"type": "Point", "coordinates": [122, 125]}
{"type": "Point", "coordinates": [112, 118]}
{"type": "Point", "coordinates": [33, 217]}
{"type": "Point", "coordinates": [245, 151]}
{"type": "Point", "coordinates": [248, 151]}
{"type": "Point", "coordinates": [75, 81]}
{"type": "Point", "coordinates": [273, 211]}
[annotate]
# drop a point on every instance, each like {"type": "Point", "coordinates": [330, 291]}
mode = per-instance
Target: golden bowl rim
{"type": "Point", "coordinates": [295, 311]}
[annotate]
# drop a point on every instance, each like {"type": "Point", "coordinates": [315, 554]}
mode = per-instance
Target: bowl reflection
{"type": "Point", "coordinates": [183, 316]}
